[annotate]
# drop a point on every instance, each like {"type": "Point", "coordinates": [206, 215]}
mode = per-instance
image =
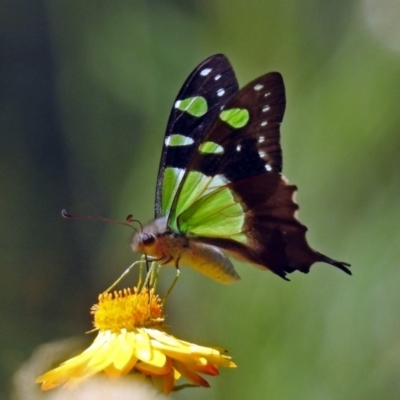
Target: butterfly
{"type": "Point", "coordinates": [220, 191]}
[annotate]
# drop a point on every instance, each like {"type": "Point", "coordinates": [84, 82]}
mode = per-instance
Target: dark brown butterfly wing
{"type": "Point", "coordinates": [242, 148]}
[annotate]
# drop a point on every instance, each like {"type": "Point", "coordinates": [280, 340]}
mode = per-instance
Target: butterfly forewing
{"type": "Point", "coordinates": [208, 88]}
{"type": "Point", "coordinates": [243, 142]}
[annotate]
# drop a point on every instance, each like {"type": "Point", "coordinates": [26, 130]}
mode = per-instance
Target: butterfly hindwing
{"type": "Point", "coordinates": [206, 90]}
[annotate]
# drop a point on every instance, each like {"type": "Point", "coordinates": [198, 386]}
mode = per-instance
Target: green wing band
{"type": "Point", "coordinates": [172, 178]}
{"type": "Point", "coordinates": [208, 209]}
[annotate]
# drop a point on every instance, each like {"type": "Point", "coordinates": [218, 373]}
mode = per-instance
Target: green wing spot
{"type": "Point", "coordinates": [235, 117]}
{"type": "Point", "coordinates": [211, 147]}
{"type": "Point", "coordinates": [176, 139]}
{"type": "Point", "coordinates": [196, 106]}
{"type": "Point", "coordinates": [170, 186]}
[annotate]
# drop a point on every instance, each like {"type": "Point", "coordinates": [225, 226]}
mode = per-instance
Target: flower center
{"type": "Point", "coordinates": [127, 310]}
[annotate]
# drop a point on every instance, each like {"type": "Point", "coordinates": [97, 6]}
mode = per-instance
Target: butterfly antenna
{"type": "Point", "coordinates": [130, 219]}
{"type": "Point", "coordinates": [67, 215]}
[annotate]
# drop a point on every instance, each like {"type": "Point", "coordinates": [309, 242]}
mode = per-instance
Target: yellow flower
{"type": "Point", "coordinates": [131, 339]}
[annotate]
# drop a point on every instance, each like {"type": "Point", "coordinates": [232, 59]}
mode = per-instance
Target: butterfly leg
{"type": "Point", "coordinates": [140, 262]}
{"type": "Point", "coordinates": [178, 271]}
{"type": "Point", "coordinates": [165, 262]}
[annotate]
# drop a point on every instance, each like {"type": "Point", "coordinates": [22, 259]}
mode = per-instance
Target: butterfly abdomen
{"type": "Point", "coordinates": [210, 261]}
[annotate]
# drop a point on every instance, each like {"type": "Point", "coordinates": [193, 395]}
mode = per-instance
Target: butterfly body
{"type": "Point", "coordinates": [220, 190]}
{"type": "Point", "coordinates": [175, 249]}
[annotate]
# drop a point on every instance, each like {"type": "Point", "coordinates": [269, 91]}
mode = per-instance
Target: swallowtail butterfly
{"type": "Point", "coordinates": [220, 191]}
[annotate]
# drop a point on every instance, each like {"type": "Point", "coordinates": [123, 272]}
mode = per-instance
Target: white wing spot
{"type": "Point", "coordinates": [238, 147]}
{"type": "Point", "coordinates": [205, 71]}
{"type": "Point", "coordinates": [261, 139]}
{"type": "Point", "coordinates": [222, 107]}
{"type": "Point", "coordinates": [178, 140]}
{"type": "Point", "coordinates": [267, 94]}
{"type": "Point", "coordinates": [264, 123]}
{"type": "Point", "coordinates": [177, 103]}
{"type": "Point", "coordinates": [220, 92]}
{"type": "Point", "coordinates": [258, 87]}
{"type": "Point", "coordinates": [262, 153]}
{"type": "Point", "coordinates": [268, 167]}
{"type": "Point", "coordinates": [265, 108]}
{"type": "Point", "coordinates": [217, 77]}
{"type": "Point", "coordinates": [294, 197]}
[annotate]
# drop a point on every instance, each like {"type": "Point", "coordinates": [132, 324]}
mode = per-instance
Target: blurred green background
{"type": "Point", "coordinates": [86, 89]}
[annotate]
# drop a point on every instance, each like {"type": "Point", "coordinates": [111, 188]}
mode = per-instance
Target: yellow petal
{"type": "Point", "coordinates": [159, 359]}
{"type": "Point", "coordinates": [124, 351]}
{"type": "Point", "coordinates": [164, 383]}
{"type": "Point", "coordinates": [151, 369]}
{"type": "Point", "coordinates": [190, 375]}
{"type": "Point", "coordinates": [104, 356]}
{"type": "Point", "coordinates": [165, 339]}
{"type": "Point", "coordinates": [142, 348]}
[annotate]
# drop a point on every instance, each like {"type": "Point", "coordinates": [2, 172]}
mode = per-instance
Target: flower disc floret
{"type": "Point", "coordinates": [128, 310]}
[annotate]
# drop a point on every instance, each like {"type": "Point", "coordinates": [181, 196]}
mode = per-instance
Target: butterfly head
{"type": "Point", "coordinates": [147, 240]}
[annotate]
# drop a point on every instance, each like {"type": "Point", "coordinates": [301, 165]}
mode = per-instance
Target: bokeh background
{"type": "Point", "coordinates": [86, 88]}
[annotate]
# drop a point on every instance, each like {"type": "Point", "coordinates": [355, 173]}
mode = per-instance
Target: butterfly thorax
{"type": "Point", "coordinates": [176, 249]}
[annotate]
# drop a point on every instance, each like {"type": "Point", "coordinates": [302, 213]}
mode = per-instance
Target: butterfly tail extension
{"type": "Point", "coordinates": [343, 266]}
